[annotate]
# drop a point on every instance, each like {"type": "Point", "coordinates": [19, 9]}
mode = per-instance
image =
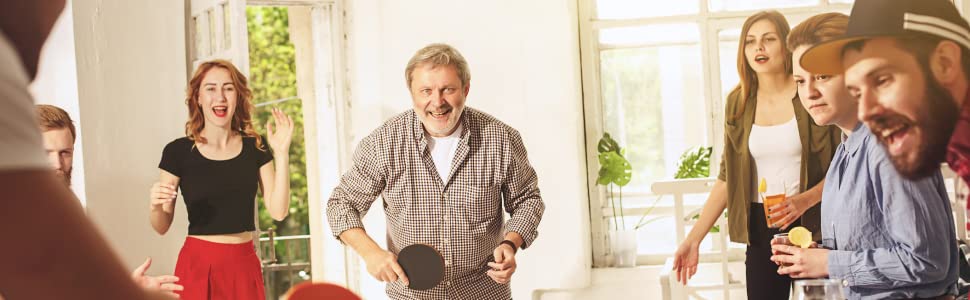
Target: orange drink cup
{"type": "Point", "coordinates": [772, 201]}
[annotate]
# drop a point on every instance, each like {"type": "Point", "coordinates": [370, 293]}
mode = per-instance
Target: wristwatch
{"type": "Point", "coordinates": [511, 244]}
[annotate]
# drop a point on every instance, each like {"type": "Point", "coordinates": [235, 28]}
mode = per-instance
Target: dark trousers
{"type": "Point", "coordinates": [763, 281]}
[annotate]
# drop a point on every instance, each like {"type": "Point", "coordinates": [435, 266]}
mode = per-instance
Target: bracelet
{"type": "Point", "coordinates": [511, 244]}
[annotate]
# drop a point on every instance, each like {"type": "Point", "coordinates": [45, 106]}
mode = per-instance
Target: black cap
{"type": "Point", "coordinates": [889, 18]}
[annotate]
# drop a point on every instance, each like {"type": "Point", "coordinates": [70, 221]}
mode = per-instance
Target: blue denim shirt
{"type": "Point", "coordinates": [891, 237]}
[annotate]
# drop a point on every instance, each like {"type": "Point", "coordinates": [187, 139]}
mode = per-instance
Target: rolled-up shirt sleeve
{"type": "Point", "coordinates": [357, 190]}
{"type": "Point", "coordinates": [917, 217]}
{"type": "Point", "coordinates": [520, 193]}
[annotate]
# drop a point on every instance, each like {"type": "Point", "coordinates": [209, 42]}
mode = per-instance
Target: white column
{"type": "Point", "coordinates": [132, 74]}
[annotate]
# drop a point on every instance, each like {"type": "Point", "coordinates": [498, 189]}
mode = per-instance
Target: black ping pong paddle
{"type": "Point", "coordinates": [423, 265]}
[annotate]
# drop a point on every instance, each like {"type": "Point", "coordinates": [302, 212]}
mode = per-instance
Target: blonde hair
{"type": "Point", "coordinates": [439, 55]}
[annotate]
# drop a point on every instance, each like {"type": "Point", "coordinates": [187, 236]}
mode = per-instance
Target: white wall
{"type": "Point", "coordinates": [131, 79]}
{"type": "Point", "coordinates": [56, 84]}
{"type": "Point", "coordinates": [524, 60]}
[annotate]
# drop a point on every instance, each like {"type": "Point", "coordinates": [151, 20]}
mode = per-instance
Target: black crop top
{"type": "Point", "coordinates": [219, 194]}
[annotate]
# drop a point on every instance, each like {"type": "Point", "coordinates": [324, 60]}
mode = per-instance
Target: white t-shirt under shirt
{"type": "Point", "coordinates": [777, 153]}
{"type": "Point", "coordinates": [21, 146]}
{"type": "Point", "coordinates": [443, 152]}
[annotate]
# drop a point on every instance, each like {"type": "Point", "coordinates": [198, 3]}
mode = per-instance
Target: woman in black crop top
{"type": "Point", "coordinates": [219, 166]}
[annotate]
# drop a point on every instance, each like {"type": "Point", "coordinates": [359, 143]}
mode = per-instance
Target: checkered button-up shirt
{"type": "Point", "coordinates": [460, 217]}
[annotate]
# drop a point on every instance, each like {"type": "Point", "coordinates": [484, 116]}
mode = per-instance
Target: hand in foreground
{"type": "Point", "coordinates": [504, 264]}
{"type": "Point", "coordinates": [162, 193]}
{"type": "Point", "coordinates": [685, 260]}
{"type": "Point", "coordinates": [384, 267]}
{"type": "Point", "coordinates": [165, 283]}
{"type": "Point", "coordinates": [787, 212]}
{"type": "Point", "coordinates": [801, 263]}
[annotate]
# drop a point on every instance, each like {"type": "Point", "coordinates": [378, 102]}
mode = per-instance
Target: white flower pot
{"type": "Point", "coordinates": [623, 244]}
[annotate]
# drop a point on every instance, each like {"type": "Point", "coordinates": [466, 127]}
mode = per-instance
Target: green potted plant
{"type": "Point", "coordinates": [615, 170]}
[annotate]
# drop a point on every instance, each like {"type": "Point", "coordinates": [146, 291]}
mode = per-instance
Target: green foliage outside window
{"type": "Point", "coordinates": [272, 77]}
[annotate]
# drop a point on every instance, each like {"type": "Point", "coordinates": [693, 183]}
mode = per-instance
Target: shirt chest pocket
{"type": "Point", "coordinates": [477, 203]}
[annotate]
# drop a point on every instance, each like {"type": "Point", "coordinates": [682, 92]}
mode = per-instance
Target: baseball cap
{"type": "Point", "coordinates": [888, 18]}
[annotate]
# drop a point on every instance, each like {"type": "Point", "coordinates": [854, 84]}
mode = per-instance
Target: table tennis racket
{"type": "Point", "coordinates": [320, 290]}
{"type": "Point", "coordinates": [423, 265]}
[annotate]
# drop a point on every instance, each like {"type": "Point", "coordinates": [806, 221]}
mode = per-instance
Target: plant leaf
{"type": "Point", "coordinates": [615, 169]}
{"type": "Point", "coordinates": [694, 163]}
{"type": "Point", "coordinates": [607, 144]}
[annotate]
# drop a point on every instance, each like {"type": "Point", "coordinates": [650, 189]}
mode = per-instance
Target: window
{"type": "Point", "coordinates": [747, 5]}
{"type": "Point", "coordinates": [647, 90]}
{"type": "Point", "coordinates": [655, 74]}
{"type": "Point", "coordinates": [630, 9]}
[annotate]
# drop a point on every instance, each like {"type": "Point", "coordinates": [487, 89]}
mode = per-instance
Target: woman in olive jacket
{"type": "Point", "coordinates": [767, 134]}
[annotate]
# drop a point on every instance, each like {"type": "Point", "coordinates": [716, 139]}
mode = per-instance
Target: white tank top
{"type": "Point", "coordinates": [777, 153]}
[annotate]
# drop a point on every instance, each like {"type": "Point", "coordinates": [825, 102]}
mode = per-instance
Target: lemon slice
{"type": "Point", "coordinates": [763, 186]}
{"type": "Point", "coordinates": [800, 236]}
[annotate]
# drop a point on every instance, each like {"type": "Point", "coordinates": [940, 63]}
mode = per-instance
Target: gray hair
{"type": "Point", "coordinates": [439, 55]}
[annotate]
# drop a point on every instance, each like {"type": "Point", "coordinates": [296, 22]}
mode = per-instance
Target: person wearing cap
{"type": "Point", "coordinates": [875, 222]}
{"type": "Point", "coordinates": [445, 172]}
{"type": "Point", "coordinates": [907, 62]}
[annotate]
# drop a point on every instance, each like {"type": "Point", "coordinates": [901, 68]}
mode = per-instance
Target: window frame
{"type": "Point", "coordinates": [326, 118]}
{"type": "Point", "coordinates": [709, 24]}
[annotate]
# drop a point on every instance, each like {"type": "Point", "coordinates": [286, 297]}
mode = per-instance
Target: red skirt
{"type": "Point", "coordinates": [213, 271]}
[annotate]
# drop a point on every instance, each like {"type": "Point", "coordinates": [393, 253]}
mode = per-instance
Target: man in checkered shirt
{"type": "Point", "coordinates": [445, 172]}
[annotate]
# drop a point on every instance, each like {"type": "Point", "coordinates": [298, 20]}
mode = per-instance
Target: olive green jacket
{"type": "Point", "coordinates": [737, 166]}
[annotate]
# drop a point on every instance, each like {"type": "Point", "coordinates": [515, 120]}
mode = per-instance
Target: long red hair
{"type": "Point", "coordinates": [242, 122]}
